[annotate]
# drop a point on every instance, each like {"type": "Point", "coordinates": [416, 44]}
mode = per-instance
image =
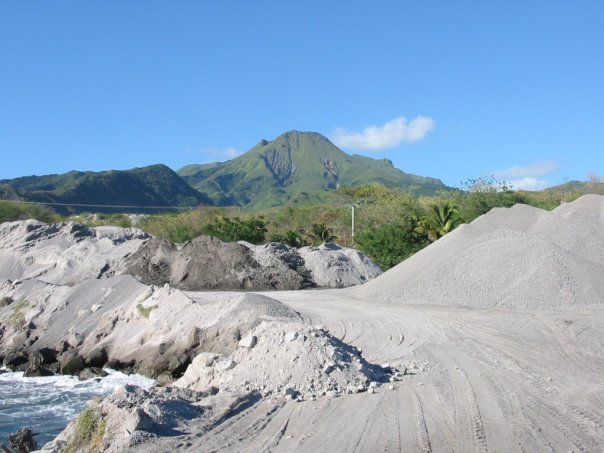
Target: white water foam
{"type": "Point", "coordinates": [47, 404]}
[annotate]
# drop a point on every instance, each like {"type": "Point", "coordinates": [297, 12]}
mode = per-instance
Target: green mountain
{"type": "Point", "coordinates": [578, 186]}
{"type": "Point", "coordinates": [296, 167]}
{"type": "Point", "coordinates": [107, 191]}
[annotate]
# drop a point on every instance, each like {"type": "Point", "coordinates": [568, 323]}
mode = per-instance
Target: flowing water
{"type": "Point", "coordinates": [47, 404]}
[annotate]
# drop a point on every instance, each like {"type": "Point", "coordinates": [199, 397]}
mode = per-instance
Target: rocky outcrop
{"type": "Point", "coordinates": [21, 442]}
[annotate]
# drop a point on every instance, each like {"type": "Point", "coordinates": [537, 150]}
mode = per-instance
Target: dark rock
{"type": "Point", "coordinates": [22, 441]}
{"type": "Point", "coordinates": [179, 364]}
{"type": "Point", "coordinates": [35, 367]}
{"type": "Point", "coordinates": [48, 355]}
{"type": "Point", "coordinates": [16, 360]}
{"type": "Point", "coordinates": [91, 373]}
{"type": "Point", "coordinates": [53, 368]}
{"type": "Point", "coordinates": [71, 363]}
{"type": "Point", "coordinates": [96, 358]}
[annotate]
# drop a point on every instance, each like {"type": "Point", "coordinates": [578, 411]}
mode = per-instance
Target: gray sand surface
{"type": "Point", "coordinates": [490, 339]}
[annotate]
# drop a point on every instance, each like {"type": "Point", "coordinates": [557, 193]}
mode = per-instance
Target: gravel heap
{"type": "Point", "coordinates": [208, 263]}
{"type": "Point", "coordinates": [70, 253]}
{"type": "Point", "coordinates": [519, 257]}
{"type": "Point", "coordinates": [286, 359]}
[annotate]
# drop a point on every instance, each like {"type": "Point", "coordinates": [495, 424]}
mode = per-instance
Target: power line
{"type": "Point", "coordinates": [81, 205]}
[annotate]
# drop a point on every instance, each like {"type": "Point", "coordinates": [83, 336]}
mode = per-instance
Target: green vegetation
{"type": "Point", "coordinates": [145, 312]}
{"type": "Point", "coordinates": [89, 433]}
{"type": "Point", "coordinates": [291, 238]}
{"type": "Point", "coordinates": [156, 185]}
{"type": "Point", "coordinates": [391, 224]}
{"type": "Point", "coordinates": [15, 210]}
{"type": "Point", "coordinates": [297, 168]}
{"type": "Point", "coordinates": [442, 219]}
{"type": "Point", "coordinates": [389, 244]}
{"type": "Point", "coordinates": [321, 233]}
{"type": "Point", "coordinates": [16, 318]}
{"type": "Point", "coordinates": [5, 301]}
{"type": "Point", "coordinates": [232, 230]}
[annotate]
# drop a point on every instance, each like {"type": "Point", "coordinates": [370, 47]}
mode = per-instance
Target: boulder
{"type": "Point", "coordinates": [91, 373]}
{"type": "Point", "coordinates": [22, 441]}
{"type": "Point", "coordinates": [35, 367]}
{"type": "Point", "coordinates": [71, 363]}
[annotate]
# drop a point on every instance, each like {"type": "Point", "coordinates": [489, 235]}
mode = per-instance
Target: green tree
{"type": "Point", "coordinates": [321, 233]}
{"type": "Point", "coordinates": [389, 244]}
{"type": "Point", "coordinates": [480, 195]}
{"type": "Point", "coordinates": [442, 219]}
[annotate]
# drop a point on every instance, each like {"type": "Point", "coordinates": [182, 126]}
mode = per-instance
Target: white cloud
{"type": "Point", "coordinates": [541, 168]}
{"type": "Point", "coordinates": [529, 183]}
{"type": "Point", "coordinates": [527, 177]}
{"type": "Point", "coordinates": [223, 153]}
{"type": "Point", "coordinates": [380, 138]}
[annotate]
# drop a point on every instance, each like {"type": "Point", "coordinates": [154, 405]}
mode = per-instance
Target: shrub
{"type": "Point", "coordinates": [5, 301]}
{"type": "Point", "coordinates": [387, 245]}
{"type": "Point", "coordinates": [290, 238]}
{"type": "Point", "coordinates": [11, 210]}
{"type": "Point", "coordinates": [89, 432]}
{"type": "Point", "coordinates": [145, 312]}
{"type": "Point", "coordinates": [251, 230]}
{"type": "Point", "coordinates": [16, 319]}
{"type": "Point", "coordinates": [321, 233]}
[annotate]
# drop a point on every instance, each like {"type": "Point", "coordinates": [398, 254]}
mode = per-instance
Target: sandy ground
{"type": "Point", "coordinates": [479, 380]}
{"type": "Point", "coordinates": [511, 358]}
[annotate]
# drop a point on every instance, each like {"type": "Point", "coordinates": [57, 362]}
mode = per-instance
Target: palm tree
{"type": "Point", "coordinates": [443, 218]}
{"type": "Point", "coordinates": [321, 233]}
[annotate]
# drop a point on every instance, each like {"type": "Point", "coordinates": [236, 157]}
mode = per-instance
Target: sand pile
{"type": "Point", "coordinates": [333, 266]}
{"type": "Point", "coordinates": [516, 257]}
{"type": "Point", "coordinates": [208, 263]}
{"type": "Point", "coordinates": [285, 359]}
{"type": "Point", "coordinates": [64, 253]}
{"type": "Point", "coordinates": [69, 253]}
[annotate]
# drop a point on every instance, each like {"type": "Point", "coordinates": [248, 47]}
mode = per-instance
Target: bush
{"type": "Point", "coordinates": [251, 230]}
{"type": "Point", "coordinates": [145, 311]}
{"type": "Point", "coordinates": [16, 319]}
{"type": "Point", "coordinates": [387, 245]}
{"type": "Point", "coordinates": [5, 301]}
{"type": "Point", "coordinates": [88, 434]}
{"type": "Point", "coordinates": [11, 211]}
{"type": "Point", "coordinates": [290, 238]}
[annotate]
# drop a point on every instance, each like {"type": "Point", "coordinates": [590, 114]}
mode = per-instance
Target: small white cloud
{"type": "Point", "coordinates": [222, 154]}
{"type": "Point", "coordinates": [380, 138]}
{"type": "Point", "coordinates": [517, 172]}
{"type": "Point", "coordinates": [529, 183]}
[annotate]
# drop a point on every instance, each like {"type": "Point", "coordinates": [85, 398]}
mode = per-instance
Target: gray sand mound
{"type": "Point", "coordinates": [64, 253]}
{"type": "Point", "coordinates": [338, 267]}
{"type": "Point", "coordinates": [288, 359]}
{"type": "Point", "coordinates": [69, 253]}
{"type": "Point", "coordinates": [516, 257]}
{"type": "Point", "coordinates": [208, 263]}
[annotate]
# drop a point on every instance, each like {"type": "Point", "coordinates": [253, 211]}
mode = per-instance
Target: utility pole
{"type": "Point", "coordinates": [352, 227]}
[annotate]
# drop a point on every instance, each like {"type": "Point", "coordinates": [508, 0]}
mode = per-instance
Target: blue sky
{"type": "Point", "coordinates": [449, 89]}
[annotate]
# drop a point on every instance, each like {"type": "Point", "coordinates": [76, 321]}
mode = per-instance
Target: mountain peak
{"type": "Point", "coordinates": [296, 166]}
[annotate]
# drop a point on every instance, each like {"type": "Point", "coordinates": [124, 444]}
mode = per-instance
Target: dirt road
{"type": "Point", "coordinates": [478, 380]}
